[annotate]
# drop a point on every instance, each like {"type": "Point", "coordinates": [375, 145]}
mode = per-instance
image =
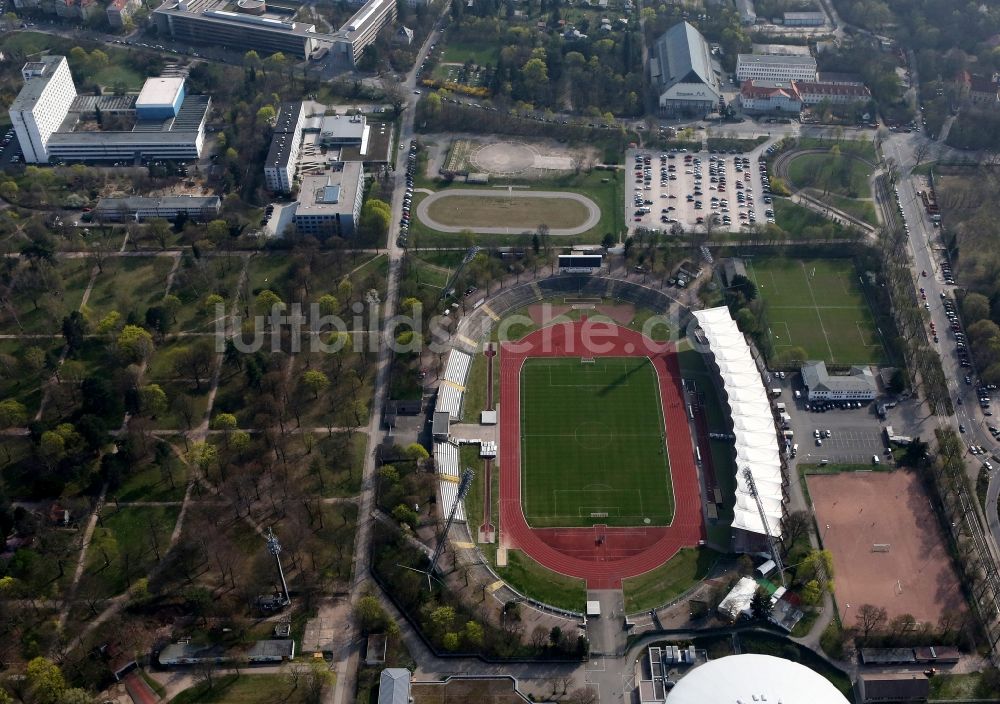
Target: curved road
{"type": "Point", "coordinates": [593, 212]}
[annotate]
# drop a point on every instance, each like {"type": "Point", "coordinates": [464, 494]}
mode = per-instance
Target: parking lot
{"type": "Point", "coordinates": [851, 435]}
{"type": "Point", "coordinates": [722, 191]}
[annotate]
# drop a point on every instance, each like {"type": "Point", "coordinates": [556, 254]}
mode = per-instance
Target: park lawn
{"type": "Point", "coordinates": [862, 148]}
{"type": "Point", "coordinates": [129, 285]}
{"type": "Point", "coordinates": [23, 385]}
{"type": "Point", "coordinates": [333, 406]}
{"type": "Point", "coordinates": [160, 368]}
{"type": "Point", "coordinates": [531, 579]}
{"type": "Point", "coordinates": [818, 305]}
{"type": "Point", "coordinates": [115, 75]}
{"type": "Point", "coordinates": [194, 315]}
{"type": "Point", "coordinates": [668, 581]}
{"type": "Point", "coordinates": [794, 219]}
{"type": "Point", "coordinates": [458, 52]}
{"type": "Point", "coordinates": [862, 209]}
{"type": "Point", "coordinates": [34, 317]}
{"type": "Point", "coordinates": [430, 275]}
{"type": "Point", "coordinates": [341, 463]}
{"type": "Point", "coordinates": [581, 425]}
{"type": "Point", "coordinates": [245, 689]}
{"type": "Point", "coordinates": [841, 175]}
{"type": "Point", "coordinates": [496, 211]}
{"type": "Point", "coordinates": [154, 482]}
{"type": "Point", "coordinates": [128, 535]}
{"type": "Point", "coordinates": [28, 43]}
{"type": "Point", "coordinates": [964, 686]}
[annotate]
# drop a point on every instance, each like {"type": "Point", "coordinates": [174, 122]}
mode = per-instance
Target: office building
{"type": "Point", "coordinates": [857, 385]}
{"type": "Point", "coordinates": [768, 67]}
{"type": "Point", "coordinates": [684, 75]}
{"type": "Point", "coordinates": [251, 24]}
{"type": "Point", "coordinates": [344, 131]}
{"type": "Point", "coordinates": [53, 122]}
{"type": "Point", "coordinates": [286, 142]}
{"type": "Point", "coordinates": [42, 105]}
{"type": "Point", "coordinates": [330, 203]}
{"type": "Point", "coordinates": [197, 208]}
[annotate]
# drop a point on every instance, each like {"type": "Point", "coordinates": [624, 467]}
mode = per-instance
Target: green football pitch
{"type": "Point", "coordinates": [818, 305]}
{"type": "Point", "coordinates": [593, 449]}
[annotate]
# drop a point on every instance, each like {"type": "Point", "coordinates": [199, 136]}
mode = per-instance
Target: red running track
{"type": "Point", "coordinates": [581, 552]}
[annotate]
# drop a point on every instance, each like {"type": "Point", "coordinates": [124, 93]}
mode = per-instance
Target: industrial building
{"type": "Point", "coordinates": [330, 203]}
{"type": "Point", "coordinates": [770, 67]}
{"type": "Point", "coordinates": [286, 142]}
{"type": "Point", "coordinates": [251, 24]}
{"type": "Point", "coordinates": [53, 122]}
{"type": "Point", "coordinates": [683, 72]}
{"type": "Point", "coordinates": [857, 385]}
{"type": "Point", "coordinates": [139, 208]}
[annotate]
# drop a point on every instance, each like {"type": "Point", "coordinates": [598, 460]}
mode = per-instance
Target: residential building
{"type": "Point", "coordinates": [770, 97]}
{"type": "Point", "coordinates": [767, 67]}
{"type": "Point", "coordinates": [394, 686]}
{"type": "Point", "coordinates": [65, 9]}
{"type": "Point", "coordinates": [42, 105]}
{"type": "Point", "coordinates": [286, 142]}
{"type": "Point", "coordinates": [804, 19]}
{"type": "Point", "coordinates": [895, 687]}
{"type": "Point", "coordinates": [746, 11]}
{"type": "Point", "coordinates": [683, 73]}
{"type": "Point", "coordinates": [53, 122]}
{"type": "Point", "coordinates": [330, 203]}
{"type": "Point", "coordinates": [197, 208]}
{"type": "Point", "coordinates": [119, 11]}
{"type": "Point", "coordinates": [362, 29]}
{"type": "Point", "coordinates": [982, 90]}
{"type": "Point", "coordinates": [857, 385]}
{"type": "Point", "coordinates": [814, 92]}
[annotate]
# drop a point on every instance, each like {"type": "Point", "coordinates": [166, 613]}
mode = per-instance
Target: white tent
{"type": "Point", "coordinates": [753, 422]}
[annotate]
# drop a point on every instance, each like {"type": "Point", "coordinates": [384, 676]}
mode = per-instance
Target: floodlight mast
{"type": "Point", "coordinates": [274, 547]}
{"type": "Point", "coordinates": [771, 542]}
{"type": "Point", "coordinates": [463, 490]}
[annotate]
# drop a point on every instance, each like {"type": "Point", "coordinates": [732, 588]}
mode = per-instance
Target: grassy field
{"type": "Point", "coordinates": [456, 52]}
{"type": "Point", "coordinates": [669, 580]}
{"type": "Point", "coordinates": [115, 75]}
{"type": "Point", "coordinates": [245, 689]}
{"type": "Point", "coordinates": [819, 306]}
{"type": "Point", "coordinates": [861, 208]}
{"type": "Point", "coordinates": [794, 219]}
{"type": "Point", "coordinates": [129, 285]}
{"type": "Point", "coordinates": [492, 211]}
{"type": "Point", "coordinates": [530, 578]}
{"type": "Point", "coordinates": [841, 175]}
{"type": "Point", "coordinates": [581, 424]}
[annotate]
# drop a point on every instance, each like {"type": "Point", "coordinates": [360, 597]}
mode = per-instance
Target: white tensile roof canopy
{"type": "Point", "coordinates": [753, 422]}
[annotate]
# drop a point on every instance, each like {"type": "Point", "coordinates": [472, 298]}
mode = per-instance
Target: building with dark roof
{"type": "Point", "coordinates": [815, 92]}
{"type": "Point", "coordinates": [804, 19]}
{"type": "Point", "coordinates": [683, 73]}
{"type": "Point", "coordinates": [286, 142]}
{"type": "Point", "coordinates": [894, 687]}
{"type": "Point", "coordinates": [139, 208]}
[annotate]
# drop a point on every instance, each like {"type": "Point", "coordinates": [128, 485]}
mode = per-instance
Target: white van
{"type": "Point", "coordinates": [876, 460]}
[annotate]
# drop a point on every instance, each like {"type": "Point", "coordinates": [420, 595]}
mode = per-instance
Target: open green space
{"type": "Point", "coordinates": [126, 545]}
{"type": "Point", "coordinates": [862, 148]}
{"type": "Point", "coordinates": [803, 224]}
{"type": "Point", "coordinates": [129, 285]}
{"type": "Point", "coordinates": [245, 689]}
{"type": "Point", "coordinates": [117, 76]}
{"type": "Point", "coordinates": [817, 305]}
{"type": "Point", "coordinates": [668, 581]}
{"type": "Point", "coordinates": [829, 173]}
{"type": "Point", "coordinates": [593, 449]}
{"type": "Point", "coordinates": [970, 686]}
{"type": "Point", "coordinates": [472, 212]}
{"type": "Point", "coordinates": [862, 209]}
{"type": "Point", "coordinates": [457, 52]}
{"type": "Point", "coordinates": [531, 579]}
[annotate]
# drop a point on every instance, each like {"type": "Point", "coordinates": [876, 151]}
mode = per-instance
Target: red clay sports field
{"type": "Point", "coordinates": [582, 552]}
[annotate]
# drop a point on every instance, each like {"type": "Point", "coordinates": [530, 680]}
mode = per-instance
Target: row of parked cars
{"type": "Point", "coordinates": [404, 223]}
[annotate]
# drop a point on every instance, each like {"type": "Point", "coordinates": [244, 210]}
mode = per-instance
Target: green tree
{"type": "Point", "coordinates": [316, 381]}
{"type": "Point", "coordinates": [153, 400]}
{"type": "Point", "coordinates": [267, 300]}
{"type": "Point", "coordinates": [416, 452]}
{"type": "Point", "coordinates": [134, 344]}
{"type": "Point", "coordinates": [370, 614]}
{"type": "Point", "coordinates": [975, 307]}
{"type": "Point", "coordinates": [12, 413]}
{"type": "Point", "coordinates": [760, 605]}
{"type": "Point", "coordinates": [450, 641]}
{"type": "Point", "coordinates": [328, 304]}
{"type": "Point", "coordinates": [266, 115]}
{"type": "Point", "coordinates": [473, 634]}
{"type": "Point", "coordinates": [404, 514]}
{"type": "Point", "coordinates": [45, 681]}
{"type": "Point", "coordinates": [52, 447]}
{"type": "Point", "coordinates": [811, 592]}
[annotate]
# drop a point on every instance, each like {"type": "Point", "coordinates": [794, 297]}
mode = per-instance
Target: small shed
{"type": "Point", "coordinates": [441, 425]}
{"type": "Point", "coordinates": [488, 418]}
{"type": "Point", "coordinates": [593, 609]}
{"type": "Point", "coordinates": [767, 568]}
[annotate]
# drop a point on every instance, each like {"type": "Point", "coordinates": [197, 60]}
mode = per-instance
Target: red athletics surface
{"type": "Point", "coordinates": [603, 556]}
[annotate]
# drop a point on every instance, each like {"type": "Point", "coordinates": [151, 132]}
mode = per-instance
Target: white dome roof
{"type": "Point", "coordinates": [745, 678]}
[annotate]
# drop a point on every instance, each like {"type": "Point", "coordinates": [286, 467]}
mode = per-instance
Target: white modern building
{"type": "Point", "coordinates": [771, 67]}
{"type": "Point", "coordinates": [286, 143]}
{"type": "Point", "coordinates": [857, 385]}
{"type": "Point", "coordinates": [330, 203]}
{"type": "Point", "coordinates": [42, 105]}
{"type": "Point", "coordinates": [753, 678]}
{"type": "Point", "coordinates": [754, 430]}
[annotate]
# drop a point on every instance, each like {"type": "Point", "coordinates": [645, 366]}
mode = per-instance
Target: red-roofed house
{"type": "Point", "coordinates": [813, 93]}
{"type": "Point", "coordinates": [762, 96]}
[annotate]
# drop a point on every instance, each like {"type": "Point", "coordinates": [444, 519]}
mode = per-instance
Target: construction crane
{"type": "Point", "coordinates": [771, 542]}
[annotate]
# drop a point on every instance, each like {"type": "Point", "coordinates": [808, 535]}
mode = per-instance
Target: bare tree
{"type": "Point", "coordinates": [871, 619]}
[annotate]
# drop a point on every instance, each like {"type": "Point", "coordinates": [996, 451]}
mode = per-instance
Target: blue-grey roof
{"type": "Point", "coordinates": [683, 56]}
{"type": "Point", "coordinates": [394, 686]}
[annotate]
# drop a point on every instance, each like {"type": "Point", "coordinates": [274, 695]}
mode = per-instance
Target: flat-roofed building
{"type": "Point", "coordinates": [286, 142]}
{"type": "Point", "coordinates": [330, 203]}
{"type": "Point", "coordinates": [857, 385]}
{"type": "Point", "coordinates": [40, 108]}
{"type": "Point", "coordinates": [684, 75]}
{"type": "Point", "coordinates": [160, 98]}
{"type": "Point", "coordinates": [362, 29]}
{"type": "Point", "coordinates": [894, 687]}
{"type": "Point", "coordinates": [139, 208]}
{"type": "Point", "coordinates": [804, 19]}
{"type": "Point", "coordinates": [781, 49]}
{"type": "Point", "coordinates": [768, 67]}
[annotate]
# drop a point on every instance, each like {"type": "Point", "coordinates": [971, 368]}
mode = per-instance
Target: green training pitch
{"type": "Point", "coordinates": [818, 305]}
{"type": "Point", "coordinates": [593, 445]}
